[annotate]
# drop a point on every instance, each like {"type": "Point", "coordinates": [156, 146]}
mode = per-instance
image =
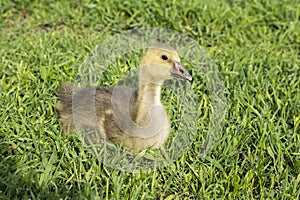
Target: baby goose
{"type": "Point", "coordinates": [134, 118]}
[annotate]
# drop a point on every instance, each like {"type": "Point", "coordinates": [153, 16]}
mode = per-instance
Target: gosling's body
{"type": "Point", "coordinates": [134, 118]}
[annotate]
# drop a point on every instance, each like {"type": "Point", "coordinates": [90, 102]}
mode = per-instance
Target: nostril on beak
{"type": "Point", "coordinates": [179, 71]}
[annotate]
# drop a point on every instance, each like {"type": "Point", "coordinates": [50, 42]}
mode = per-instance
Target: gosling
{"type": "Point", "coordinates": [136, 119]}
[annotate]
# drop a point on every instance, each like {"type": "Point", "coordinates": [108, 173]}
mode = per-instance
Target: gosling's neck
{"type": "Point", "coordinates": [148, 96]}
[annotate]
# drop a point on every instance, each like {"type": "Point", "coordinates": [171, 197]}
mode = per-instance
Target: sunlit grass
{"type": "Point", "coordinates": [256, 48]}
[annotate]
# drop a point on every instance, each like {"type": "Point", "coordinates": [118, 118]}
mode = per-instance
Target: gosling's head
{"type": "Point", "coordinates": [161, 62]}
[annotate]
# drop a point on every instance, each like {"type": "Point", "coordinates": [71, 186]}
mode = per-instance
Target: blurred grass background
{"type": "Point", "coordinates": [255, 45]}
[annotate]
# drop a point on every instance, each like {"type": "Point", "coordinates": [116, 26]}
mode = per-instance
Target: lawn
{"type": "Point", "coordinates": [255, 46]}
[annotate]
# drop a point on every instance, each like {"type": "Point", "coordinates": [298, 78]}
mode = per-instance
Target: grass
{"type": "Point", "coordinates": [255, 45]}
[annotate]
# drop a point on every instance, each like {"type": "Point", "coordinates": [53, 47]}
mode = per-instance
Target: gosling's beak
{"type": "Point", "coordinates": [179, 71]}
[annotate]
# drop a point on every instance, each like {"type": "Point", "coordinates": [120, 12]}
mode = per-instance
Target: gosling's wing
{"type": "Point", "coordinates": [77, 111]}
{"type": "Point", "coordinates": [116, 110]}
{"type": "Point", "coordinates": [98, 112]}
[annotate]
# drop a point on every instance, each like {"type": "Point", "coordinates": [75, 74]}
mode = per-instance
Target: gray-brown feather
{"type": "Point", "coordinates": [83, 109]}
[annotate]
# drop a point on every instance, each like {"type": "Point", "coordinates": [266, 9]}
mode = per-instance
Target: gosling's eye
{"type": "Point", "coordinates": [164, 57]}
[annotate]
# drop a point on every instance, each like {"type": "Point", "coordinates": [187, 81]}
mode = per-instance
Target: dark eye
{"type": "Point", "coordinates": [164, 57]}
